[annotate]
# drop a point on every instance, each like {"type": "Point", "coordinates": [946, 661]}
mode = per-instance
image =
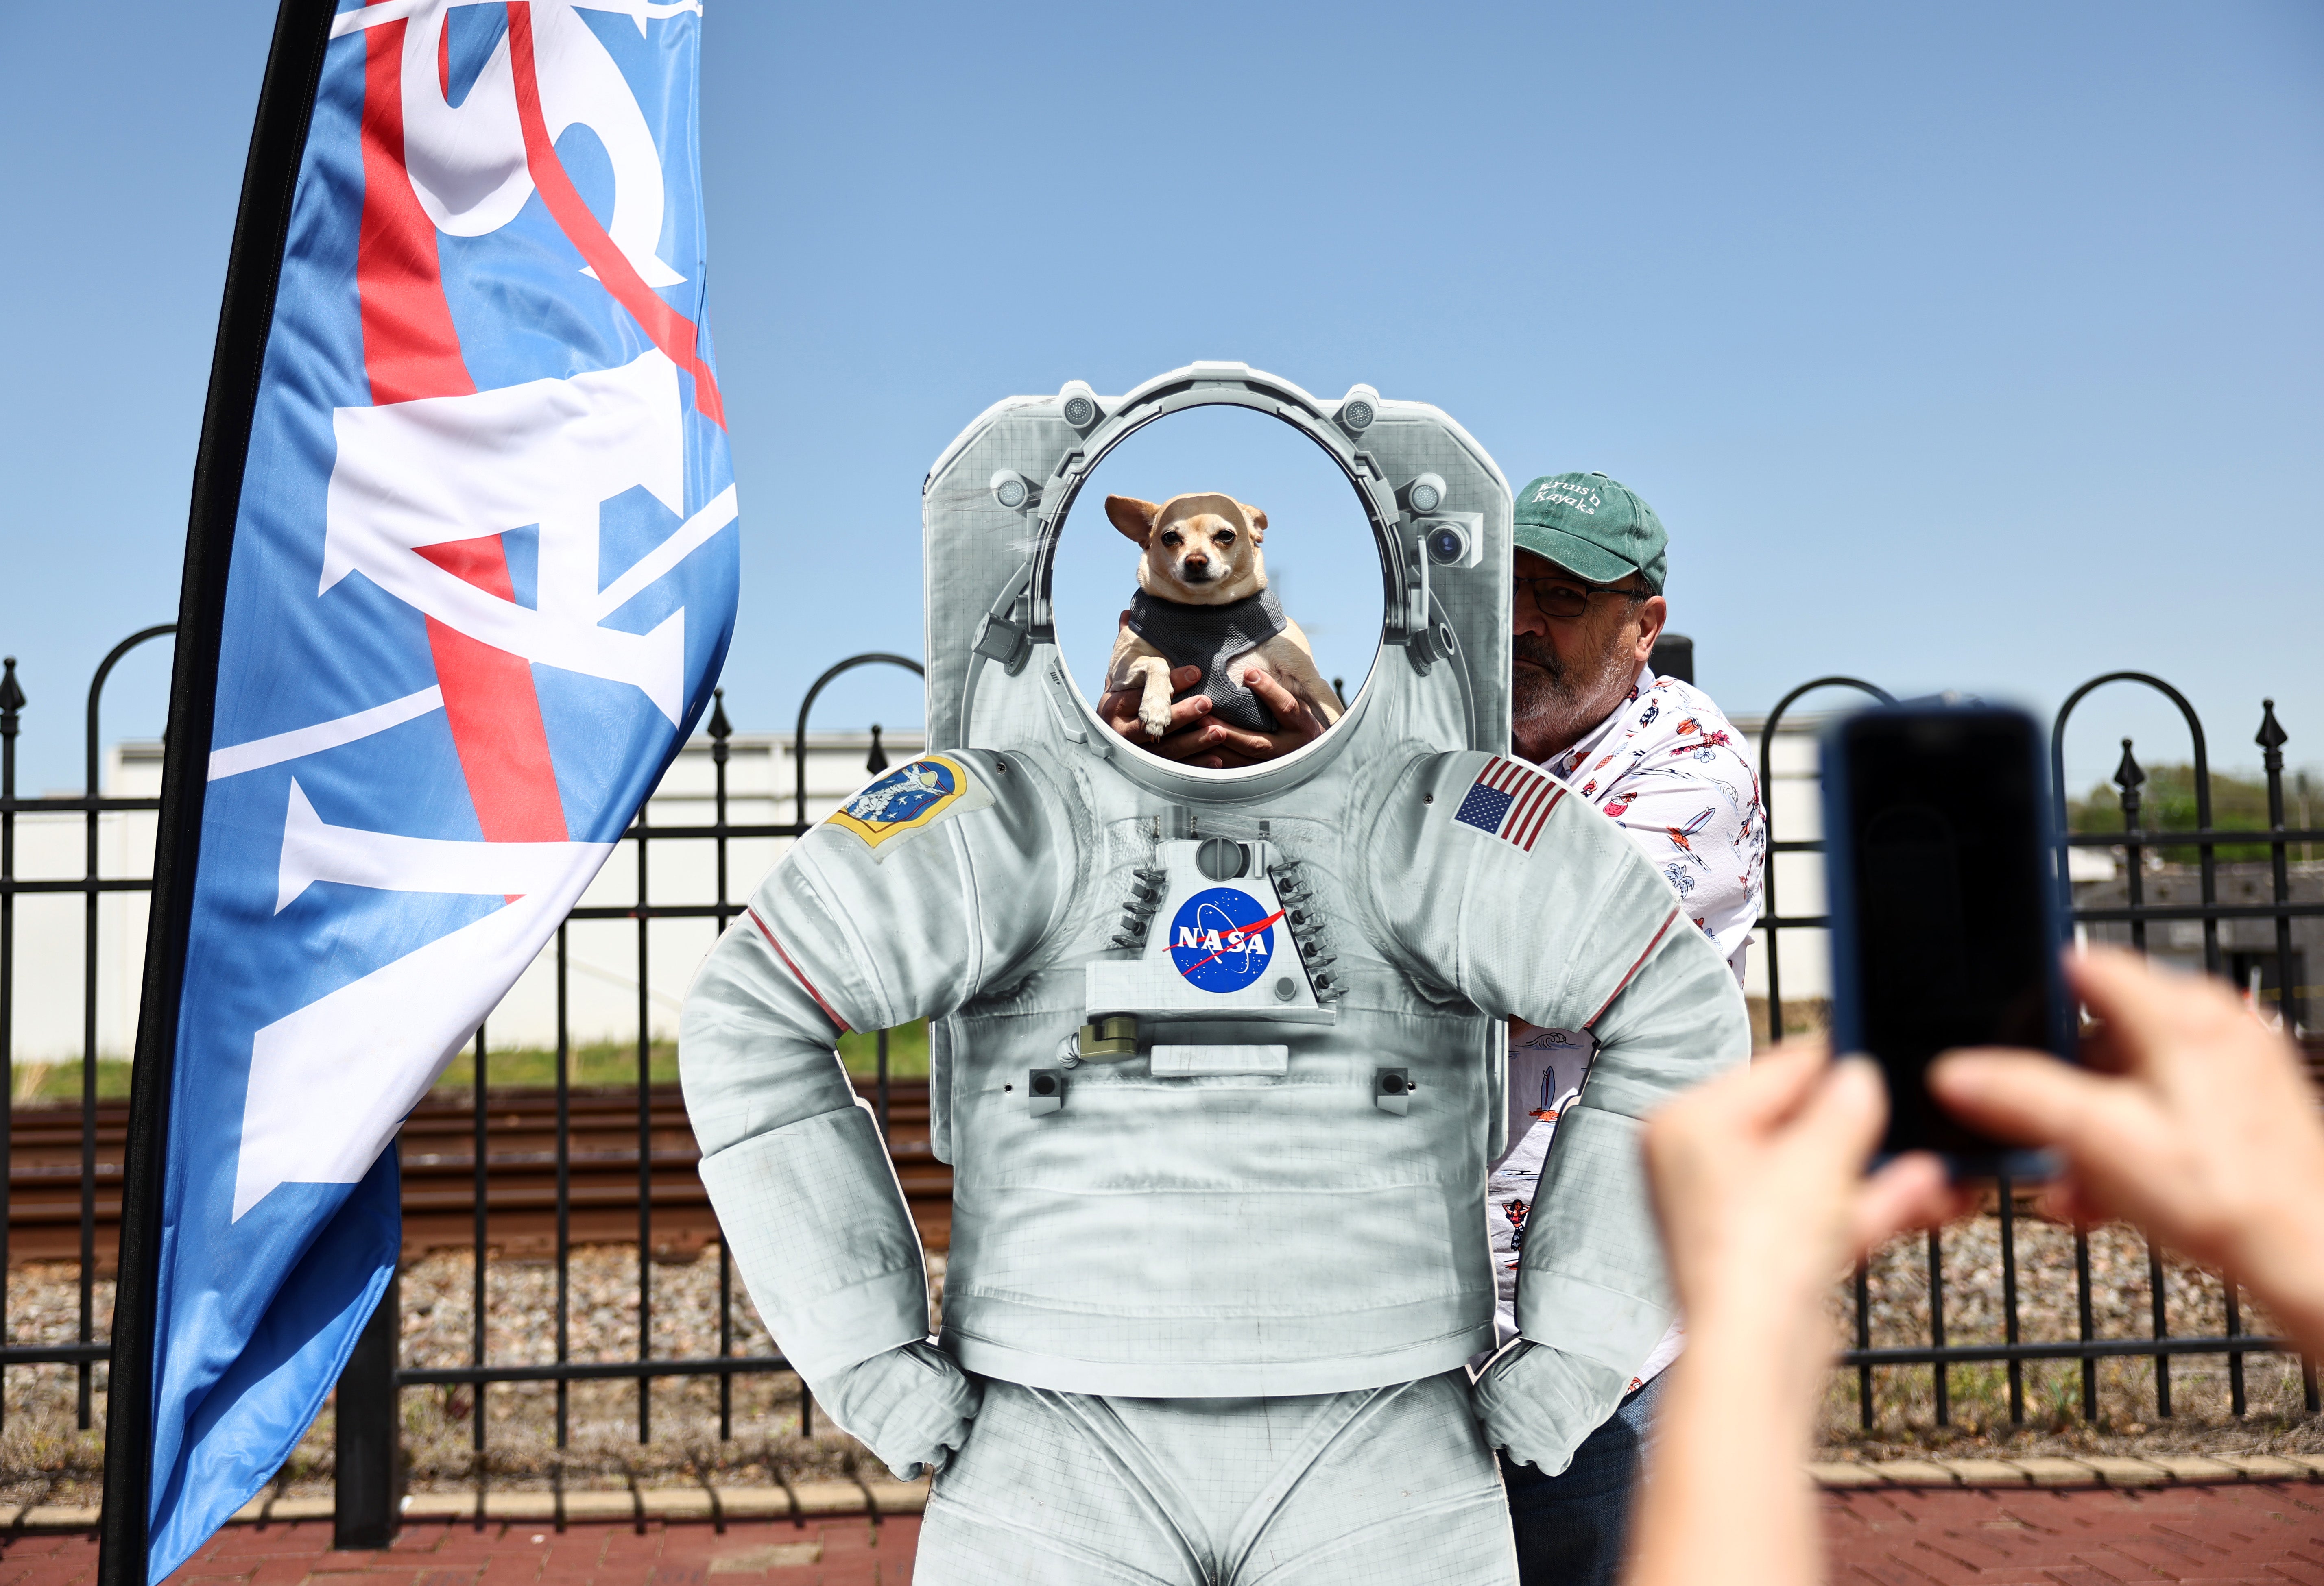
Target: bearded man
{"type": "Point", "coordinates": [1655, 754]}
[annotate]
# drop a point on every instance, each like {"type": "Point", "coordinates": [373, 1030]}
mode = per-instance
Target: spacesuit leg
{"type": "Point", "coordinates": [1391, 1484]}
{"type": "Point", "coordinates": [1403, 1489]}
{"type": "Point", "coordinates": [1034, 1499]}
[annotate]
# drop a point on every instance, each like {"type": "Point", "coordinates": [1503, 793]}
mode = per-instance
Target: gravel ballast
{"type": "Point", "coordinates": [44, 1459]}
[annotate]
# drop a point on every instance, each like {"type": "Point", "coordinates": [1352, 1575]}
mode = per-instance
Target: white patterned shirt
{"type": "Point", "coordinates": [1667, 767]}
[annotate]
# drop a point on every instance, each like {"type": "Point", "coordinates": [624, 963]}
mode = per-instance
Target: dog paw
{"type": "Point", "coordinates": [1154, 713]}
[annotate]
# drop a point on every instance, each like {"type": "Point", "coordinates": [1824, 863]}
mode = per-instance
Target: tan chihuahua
{"type": "Point", "coordinates": [1203, 600]}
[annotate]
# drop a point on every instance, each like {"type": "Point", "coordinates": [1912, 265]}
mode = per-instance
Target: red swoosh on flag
{"type": "Point", "coordinates": [1247, 931]}
{"type": "Point", "coordinates": [671, 331]}
{"type": "Point", "coordinates": [412, 351]}
{"type": "Point", "coordinates": [411, 348]}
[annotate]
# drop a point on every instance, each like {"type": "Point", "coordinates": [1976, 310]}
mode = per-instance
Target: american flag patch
{"type": "Point", "coordinates": [1510, 800]}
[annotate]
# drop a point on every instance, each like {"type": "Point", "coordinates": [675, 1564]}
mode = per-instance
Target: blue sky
{"type": "Point", "coordinates": [1971, 346]}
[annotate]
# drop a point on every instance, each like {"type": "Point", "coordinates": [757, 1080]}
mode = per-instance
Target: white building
{"type": "Point", "coordinates": [603, 962]}
{"type": "Point", "coordinates": [602, 955]}
{"type": "Point", "coordinates": [1792, 794]}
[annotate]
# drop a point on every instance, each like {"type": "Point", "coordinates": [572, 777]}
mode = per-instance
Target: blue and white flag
{"type": "Point", "coordinates": [483, 574]}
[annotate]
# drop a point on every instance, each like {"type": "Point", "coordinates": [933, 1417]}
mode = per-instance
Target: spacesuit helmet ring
{"type": "Point", "coordinates": [996, 500]}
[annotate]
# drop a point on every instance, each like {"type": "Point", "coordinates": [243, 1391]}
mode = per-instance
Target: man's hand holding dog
{"type": "Point", "coordinates": [1186, 737]}
{"type": "Point", "coordinates": [1301, 723]}
{"type": "Point", "coordinates": [1196, 741]}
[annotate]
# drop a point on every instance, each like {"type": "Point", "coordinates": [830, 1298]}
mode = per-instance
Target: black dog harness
{"type": "Point", "coordinates": [1210, 637]}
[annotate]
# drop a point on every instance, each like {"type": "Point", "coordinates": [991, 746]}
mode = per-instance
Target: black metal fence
{"type": "Point", "coordinates": [86, 1348]}
{"type": "Point", "coordinates": [367, 1418]}
{"type": "Point", "coordinates": [2161, 1347]}
{"type": "Point", "coordinates": [367, 1465]}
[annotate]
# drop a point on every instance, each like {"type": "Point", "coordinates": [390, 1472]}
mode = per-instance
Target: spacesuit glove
{"type": "Point", "coordinates": [910, 1405]}
{"type": "Point", "coordinates": [1539, 1403]}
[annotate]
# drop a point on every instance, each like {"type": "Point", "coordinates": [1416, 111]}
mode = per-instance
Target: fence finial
{"type": "Point", "coordinates": [720, 729]}
{"type": "Point", "coordinates": [12, 696]}
{"type": "Point", "coordinates": [2127, 775]}
{"type": "Point", "coordinates": [877, 760]}
{"type": "Point", "coordinates": [2271, 737]}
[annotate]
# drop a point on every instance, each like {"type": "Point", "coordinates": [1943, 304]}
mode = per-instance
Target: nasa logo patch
{"type": "Point", "coordinates": [1221, 940]}
{"type": "Point", "coordinates": [910, 798]}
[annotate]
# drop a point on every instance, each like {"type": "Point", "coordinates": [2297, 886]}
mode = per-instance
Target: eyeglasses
{"type": "Point", "coordinates": [1563, 597]}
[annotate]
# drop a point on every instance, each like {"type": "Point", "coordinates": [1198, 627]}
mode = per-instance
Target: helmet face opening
{"type": "Point", "coordinates": [1251, 510]}
{"type": "Point", "coordinates": [1004, 673]}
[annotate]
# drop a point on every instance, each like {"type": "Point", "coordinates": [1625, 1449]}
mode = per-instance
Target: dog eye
{"type": "Point", "coordinates": [1225, 537]}
{"type": "Point", "coordinates": [1172, 538]}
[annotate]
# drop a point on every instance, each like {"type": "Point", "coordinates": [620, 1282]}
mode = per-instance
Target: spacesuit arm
{"type": "Point", "coordinates": [1528, 903]}
{"type": "Point", "coordinates": [857, 931]}
{"type": "Point", "coordinates": [791, 1158]}
{"type": "Point", "coordinates": [1593, 1299]}
{"type": "Point", "coordinates": [790, 1155]}
{"type": "Point", "coordinates": [1593, 1280]}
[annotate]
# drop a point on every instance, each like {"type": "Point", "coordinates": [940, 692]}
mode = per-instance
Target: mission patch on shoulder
{"type": "Point", "coordinates": [910, 798]}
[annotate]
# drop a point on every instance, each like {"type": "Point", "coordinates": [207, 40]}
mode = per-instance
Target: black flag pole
{"type": "Point", "coordinates": [294, 65]}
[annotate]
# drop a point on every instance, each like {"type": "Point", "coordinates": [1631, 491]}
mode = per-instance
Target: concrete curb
{"type": "Point", "coordinates": [2091, 1471]}
{"type": "Point", "coordinates": [802, 1501]}
{"type": "Point", "coordinates": [826, 1500]}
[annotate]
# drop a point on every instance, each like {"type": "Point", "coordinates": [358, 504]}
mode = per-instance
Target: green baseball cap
{"type": "Point", "coordinates": [1590, 524]}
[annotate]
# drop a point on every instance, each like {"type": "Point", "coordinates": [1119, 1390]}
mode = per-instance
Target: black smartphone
{"type": "Point", "coordinates": [1940, 868]}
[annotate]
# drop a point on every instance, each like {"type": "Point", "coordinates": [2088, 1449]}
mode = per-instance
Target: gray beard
{"type": "Point", "coordinates": [1550, 697]}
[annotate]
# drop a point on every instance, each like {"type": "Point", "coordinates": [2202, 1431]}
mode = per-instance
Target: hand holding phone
{"type": "Point", "coordinates": [2190, 1118]}
{"type": "Point", "coordinates": [1946, 928]}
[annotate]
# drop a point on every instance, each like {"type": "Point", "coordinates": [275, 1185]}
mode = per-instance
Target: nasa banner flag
{"type": "Point", "coordinates": [461, 572]}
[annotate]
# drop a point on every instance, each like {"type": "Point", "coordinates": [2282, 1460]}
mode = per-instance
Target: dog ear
{"type": "Point", "coordinates": [1133, 517]}
{"type": "Point", "coordinates": [1257, 521]}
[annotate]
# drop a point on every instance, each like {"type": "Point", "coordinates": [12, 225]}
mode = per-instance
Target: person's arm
{"type": "Point", "coordinates": [2190, 1119]}
{"type": "Point", "coordinates": [1758, 1190]}
{"type": "Point", "coordinates": [2197, 1124]}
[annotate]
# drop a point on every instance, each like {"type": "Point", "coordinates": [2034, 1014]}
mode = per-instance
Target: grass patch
{"type": "Point", "coordinates": [57, 1084]}
{"type": "Point", "coordinates": [908, 1051]}
{"type": "Point", "coordinates": [612, 1063]}
{"type": "Point", "coordinates": [599, 1064]}
{"type": "Point", "coordinates": [1803, 1016]}
{"type": "Point", "coordinates": [2168, 802]}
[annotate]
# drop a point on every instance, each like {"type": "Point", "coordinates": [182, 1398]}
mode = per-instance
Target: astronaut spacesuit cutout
{"type": "Point", "coordinates": [1217, 1057]}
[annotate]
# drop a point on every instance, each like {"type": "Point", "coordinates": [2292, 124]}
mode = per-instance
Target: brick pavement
{"type": "Point", "coordinates": [2243, 1534]}
{"type": "Point", "coordinates": [821, 1552]}
{"type": "Point", "coordinates": [2259, 1532]}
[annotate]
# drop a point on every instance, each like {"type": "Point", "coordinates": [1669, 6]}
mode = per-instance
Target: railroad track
{"type": "Point", "coordinates": [439, 1148]}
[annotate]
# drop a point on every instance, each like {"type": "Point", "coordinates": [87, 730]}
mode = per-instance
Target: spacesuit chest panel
{"type": "Point", "coordinates": [1213, 941]}
{"type": "Point", "coordinates": [1210, 1197]}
